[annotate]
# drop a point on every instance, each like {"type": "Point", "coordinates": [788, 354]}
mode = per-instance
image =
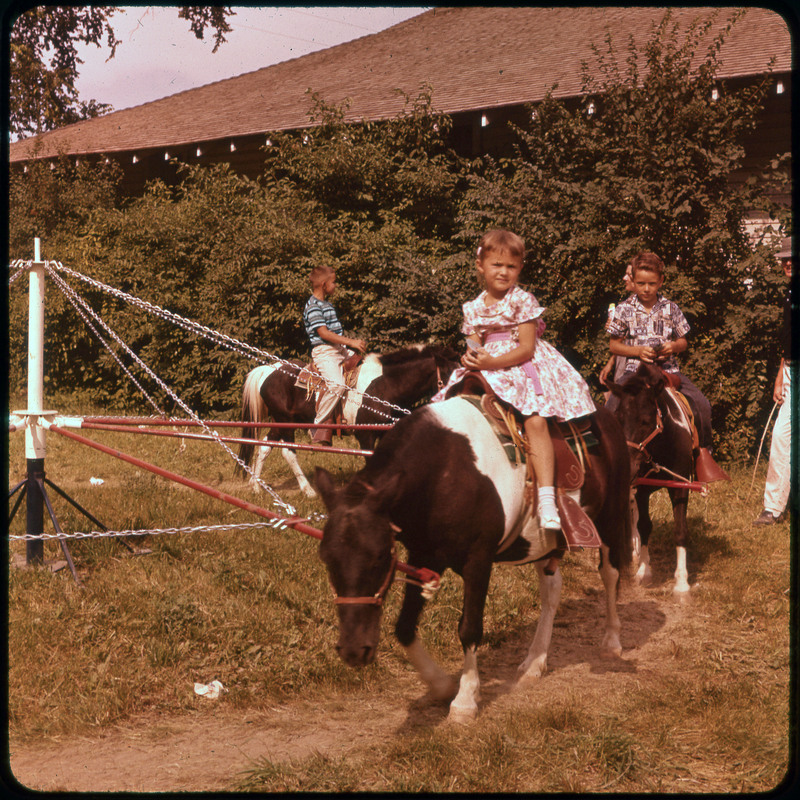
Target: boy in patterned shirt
{"type": "Point", "coordinates": [648, 327]}
{"type": "Point", "coordinates": [329, 347]}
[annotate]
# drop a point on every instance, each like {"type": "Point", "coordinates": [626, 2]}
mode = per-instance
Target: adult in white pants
{"type": "Point", "coordinates": [776, 491]}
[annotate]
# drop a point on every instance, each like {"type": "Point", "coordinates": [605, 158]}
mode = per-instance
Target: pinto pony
{"type": "Point", "coordinates": [403, 377]}
{"type": "Point", "coordinates": [441, 483]}
{"type": "Point", "coordinates": [661, 446]}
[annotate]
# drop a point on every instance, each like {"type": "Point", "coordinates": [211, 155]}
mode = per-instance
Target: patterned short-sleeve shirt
{"type": "Point", "coordinates": [638, 326]}
{"type": "Point", "coordinates": [316, 314]}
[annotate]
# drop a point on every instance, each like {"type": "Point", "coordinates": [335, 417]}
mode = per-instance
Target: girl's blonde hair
{"type": "Point", "coordinates": [499, 240]}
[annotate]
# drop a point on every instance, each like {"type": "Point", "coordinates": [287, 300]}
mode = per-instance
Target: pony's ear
{"type": "Point", "coordinates": [655, 380]}
{"type": "Point", "coordinates": [324, 482]}
{"type": "Point", "coordinates": [381, 498]}
{"type": "Point", "coordinates": [615, 388]}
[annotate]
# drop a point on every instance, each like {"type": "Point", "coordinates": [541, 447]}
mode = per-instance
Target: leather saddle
{"type": "Point", "coordinates": [309, 377]}
{"type": "Point", "coordinates": [706, 470]}
{"type": "Point", "coordinates": [570, 469]}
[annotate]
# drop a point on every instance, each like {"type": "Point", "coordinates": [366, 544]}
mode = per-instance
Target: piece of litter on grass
{"type": "Point", "coordinates": [96, 481]}
{"type": "Point", "coordinates": [209, 690]}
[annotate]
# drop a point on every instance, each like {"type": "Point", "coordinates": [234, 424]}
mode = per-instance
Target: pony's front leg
{"type": "Point", "coordinates": [263, 452]}
{"type": "Point", "coordinates": [611, 644]}
{"type": "Point", "coordinates": [439, 683]}
{"type": "Point", "coordinates": [643, 527]}
{"type": "Point", "coordinates": [476, 575]}
{"type": "Point", "coordinates": [680, 502]}
{"type": "Point", "coordinates": [535, 664]}
{"type": "Point", "coordinates": [465, 704]}
{"type": "Point", "coordinates": [291, 459]}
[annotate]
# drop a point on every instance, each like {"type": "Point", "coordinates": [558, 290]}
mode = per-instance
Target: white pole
{"type": "Point", "coordinates": [34, 434]}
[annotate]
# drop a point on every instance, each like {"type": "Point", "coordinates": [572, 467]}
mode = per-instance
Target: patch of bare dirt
{"type": "Point", "coordinates": [211, 750]}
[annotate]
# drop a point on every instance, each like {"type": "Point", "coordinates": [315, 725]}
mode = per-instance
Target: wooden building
{"type": "Point", "coordinates": [484, 64]}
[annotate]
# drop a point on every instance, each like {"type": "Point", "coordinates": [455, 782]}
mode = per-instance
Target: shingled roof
{"type": "Point", "coordinates": [473, 57]}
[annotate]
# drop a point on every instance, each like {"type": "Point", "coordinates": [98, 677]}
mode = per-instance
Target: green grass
{"type": "Point", "coordinates": [253, 609]}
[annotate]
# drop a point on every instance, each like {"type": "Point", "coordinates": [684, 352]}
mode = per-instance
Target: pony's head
{"type": "Point", "coordinates": [638, 410]}
{"type": "Point", "coordinates": [359, 552]}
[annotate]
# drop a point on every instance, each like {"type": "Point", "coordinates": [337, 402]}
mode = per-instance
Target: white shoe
{"type": "Point", "coordinates": [549, 519]}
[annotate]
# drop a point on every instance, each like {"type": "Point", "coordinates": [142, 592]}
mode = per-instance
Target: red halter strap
{"type": "Point", "coordinates": [379, 596]}
{"type": "Point", "coordinates": [658, 429]}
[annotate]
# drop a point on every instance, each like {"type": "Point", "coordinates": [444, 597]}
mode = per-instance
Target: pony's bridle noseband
{"type": "Point", "coordinates": [379, 596]}
{"type": "Point", "coordinates": [658, 429]}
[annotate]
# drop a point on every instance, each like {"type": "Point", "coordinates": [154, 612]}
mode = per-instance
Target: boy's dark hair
{"type": "Point", "coordinates": [648, 261]}
{"type": "Point", "coordinates": [320, 274]}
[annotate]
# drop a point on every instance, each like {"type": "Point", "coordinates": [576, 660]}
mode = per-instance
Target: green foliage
{"type": "Point", "coordinates": [44, 60]}
{"type": "Point", "coordinates": [643, 162]}
{"type": "Point", "coordinates": [397, 213]}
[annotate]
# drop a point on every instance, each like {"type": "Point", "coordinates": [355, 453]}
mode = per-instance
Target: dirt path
{"type": "Point", "coordinates": [210, 751]}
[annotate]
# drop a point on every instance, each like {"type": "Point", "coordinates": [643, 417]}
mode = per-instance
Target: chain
{"type": "Point", "coordinates": [20, 266]}
{"type": "Point", "coordinates": [278, 524]}
{"type": "Point", "coordinates": [220, 338]}
{"type": "Point", "coordinates": [209, 431]}
{"type": "Point", "coordinates": [79, 304]}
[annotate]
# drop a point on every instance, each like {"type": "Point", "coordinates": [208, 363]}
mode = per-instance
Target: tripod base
{"type": "Point", "coordinates": [34, 487]}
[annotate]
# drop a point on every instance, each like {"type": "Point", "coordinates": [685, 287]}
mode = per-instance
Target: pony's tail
{"type": "Point", "coordinates": [253, 410]}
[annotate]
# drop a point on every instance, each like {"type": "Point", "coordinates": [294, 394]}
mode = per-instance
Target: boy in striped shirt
{"type": "Point", "coordinates": [329, 346]}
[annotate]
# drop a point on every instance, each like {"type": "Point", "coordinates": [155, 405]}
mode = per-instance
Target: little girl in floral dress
{"type": "Point", "coordinates": [504, 324]}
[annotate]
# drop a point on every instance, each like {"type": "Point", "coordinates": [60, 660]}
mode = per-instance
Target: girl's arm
{"type": "Point", "coordinates": [480, 359]}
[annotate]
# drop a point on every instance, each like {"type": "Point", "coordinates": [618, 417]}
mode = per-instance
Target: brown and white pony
{"type": "Point", "coordinates": [402, 377]}
{"type": "Point", "coordinates": [440, 482]}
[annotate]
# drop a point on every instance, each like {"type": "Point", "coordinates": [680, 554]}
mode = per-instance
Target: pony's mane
{"type": "Point", "coordinates": [416, 352]}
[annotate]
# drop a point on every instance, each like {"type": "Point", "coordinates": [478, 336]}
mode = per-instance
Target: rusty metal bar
{"type": "Point", "coordinates": [422, 574]}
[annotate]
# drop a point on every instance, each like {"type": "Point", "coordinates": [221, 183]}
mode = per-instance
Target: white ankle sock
{"type": "Point", "coordinates": [547, 498]}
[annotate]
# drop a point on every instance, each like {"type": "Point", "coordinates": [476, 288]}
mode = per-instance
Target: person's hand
{"type": "Point", "coordinates": [358, 344]}
{"type": "Point", "coordinates": [476, 359]}
{"type": "Point", "coordinates": [648, 354]}
{"type": "Point", "coordinates": [777, 392]}
{"type": "Point", "coordinates": [604, 373]}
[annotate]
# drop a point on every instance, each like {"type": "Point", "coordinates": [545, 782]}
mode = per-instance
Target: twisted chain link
{"type": "Point", "coordinates": [20, 266]}
{"type": "Point", "coordinates": [278, 524]}
{"type": "Point", "coordinates": [209, 431]}
{"type": "Point", "coordinates": [242, 348]}
{"type": "Point", "coordinates": [81, 306]}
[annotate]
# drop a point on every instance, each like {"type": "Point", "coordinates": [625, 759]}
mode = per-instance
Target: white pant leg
{"type": "Point", "coordinates": [328, 358]}
{"type": "Point", "coordinates": [776, 491]}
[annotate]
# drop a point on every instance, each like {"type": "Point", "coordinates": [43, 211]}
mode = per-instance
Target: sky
{"type": "Point", "coordinates": [160, 56]}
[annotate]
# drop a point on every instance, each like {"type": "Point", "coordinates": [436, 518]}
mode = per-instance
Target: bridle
{"type": "Point", "coordinates": [643, 444]}
{"type": "Point", "coordinates": [379, 596]}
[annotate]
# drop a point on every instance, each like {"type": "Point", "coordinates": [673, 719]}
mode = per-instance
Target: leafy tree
{"type": "Point", "coordinates": [644, 161]}
{"type": "Point", "coordinates": [45, 63]}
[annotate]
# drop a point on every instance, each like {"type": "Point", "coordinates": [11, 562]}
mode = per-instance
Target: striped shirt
{"type": "Point", "coordinates": [638, 326]}
{"type": "Point", "coordinates": [316, 314]}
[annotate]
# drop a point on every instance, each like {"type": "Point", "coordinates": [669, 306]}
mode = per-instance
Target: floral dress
{"type": "Point", "coordinates": [547, 385]}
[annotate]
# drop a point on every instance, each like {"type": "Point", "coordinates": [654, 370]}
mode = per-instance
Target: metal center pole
{"type": "Point", "coordinates": [35, 449]}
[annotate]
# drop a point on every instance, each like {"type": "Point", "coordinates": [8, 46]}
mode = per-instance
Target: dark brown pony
{"type": "Point", "coordinates": [402, 377]}
{"type": "Point", "coordinates": [661, 445]}
{"type": "Point", "coordinates": [440, 482]}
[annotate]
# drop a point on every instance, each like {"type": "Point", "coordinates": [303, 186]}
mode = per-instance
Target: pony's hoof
{"type": "Point", "coordinates": [528, 674]}
{"type": "Point", "coordinates": [681, 592]}
{"type": "Point", "coordinates": [644, 577]}
{"type": "Point", "coordinates": [462, 715]}
{"type": "Point", "coordinates": [309, 492]}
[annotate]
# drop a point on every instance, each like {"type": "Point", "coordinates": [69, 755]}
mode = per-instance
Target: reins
{"type": "Point", "coordinates": [683, 482]}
